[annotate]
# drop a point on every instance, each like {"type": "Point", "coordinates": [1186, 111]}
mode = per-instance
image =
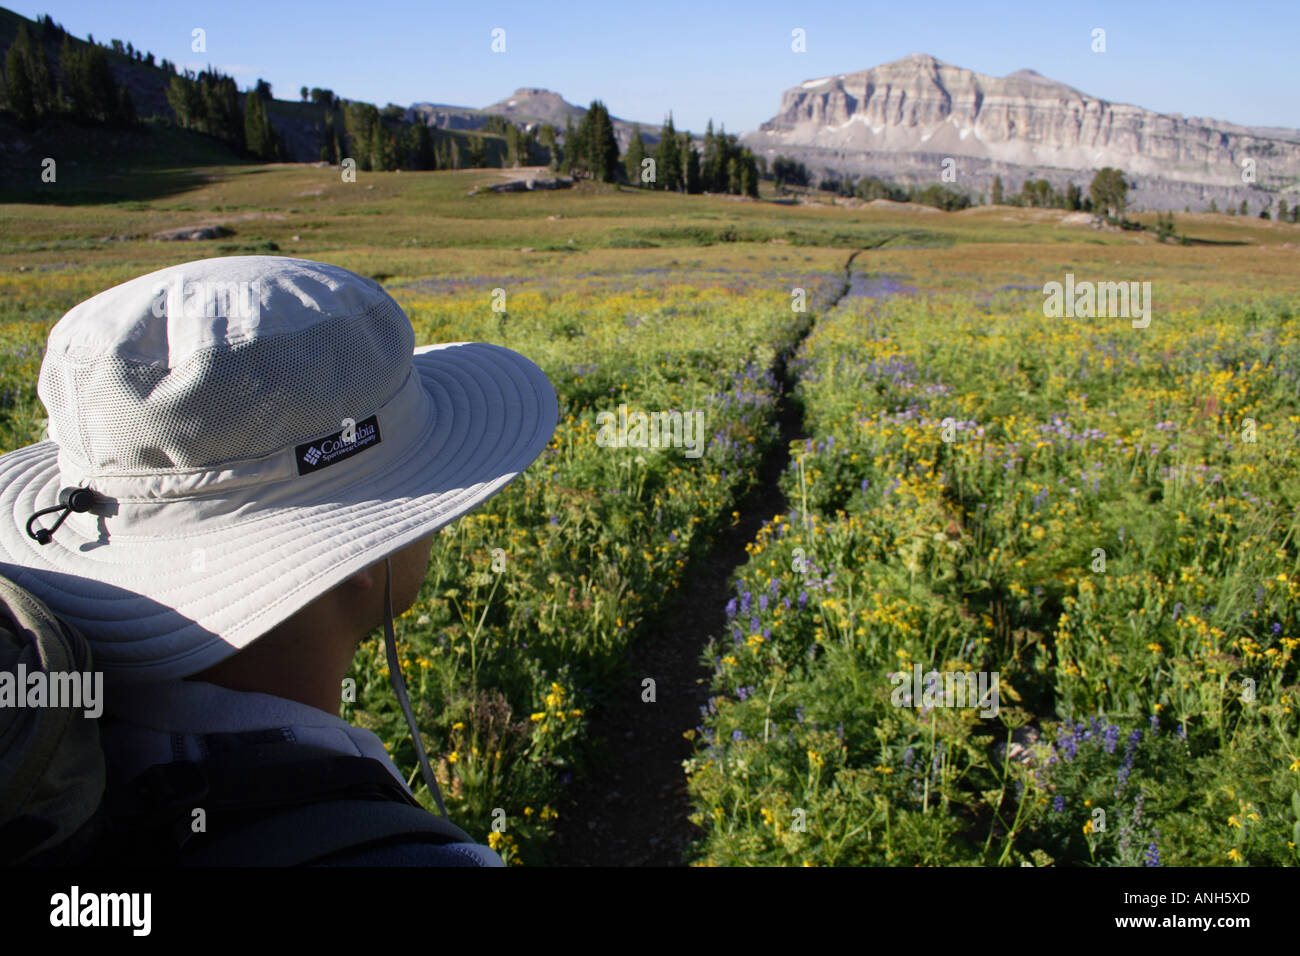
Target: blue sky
{"type": "Point", "coordinates": [728, 61]}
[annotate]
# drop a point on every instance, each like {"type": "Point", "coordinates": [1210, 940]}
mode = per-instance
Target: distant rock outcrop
{"type": "Point", "coordinates": [192, 232]}
{"type": "Point", "coordinates": [525, 107]}
{"type": "Point", "coordinates": [533, 178]}
{"type": "Point", "coordinates": [902, 119]}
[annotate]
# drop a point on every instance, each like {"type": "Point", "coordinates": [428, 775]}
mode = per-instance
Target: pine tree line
{"type": "Point", "coordinates": [724, 166]}
{"type": "Point", "coordinates": [382, 140]}
{"type": "Point", "coordinates": [523, 146]}
{"type": "Point", "coordinates": [209, 102]}
{"type": "Point", "coordinates": [1039, 193]}
{"type": "Point", "coordinates": [868, 188]}
{"type": "Point", "coordinates": [84, 90]}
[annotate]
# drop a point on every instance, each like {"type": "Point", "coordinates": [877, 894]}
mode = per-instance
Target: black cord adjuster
{"type": "Point", "coordinates": [70, 499]}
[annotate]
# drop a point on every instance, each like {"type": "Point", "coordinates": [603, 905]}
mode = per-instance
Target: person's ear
{"type": "Point", "coordinates": [364, 580]}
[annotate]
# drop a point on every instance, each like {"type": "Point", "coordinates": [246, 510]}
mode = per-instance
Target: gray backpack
{"type": "Point", "coordinates": [268, 802]}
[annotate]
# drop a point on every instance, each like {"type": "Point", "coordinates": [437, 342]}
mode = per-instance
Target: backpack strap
{"type": "Point", "coordinates": [311, 833]}
{"type": "Point", "coordinates": [266, 803]}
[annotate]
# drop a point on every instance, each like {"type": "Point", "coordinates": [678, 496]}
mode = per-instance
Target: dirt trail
{"type": "Point", "coordinates": [632, 808]}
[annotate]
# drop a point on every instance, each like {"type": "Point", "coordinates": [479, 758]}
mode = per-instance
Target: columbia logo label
{"type": "Point", "coordinates": [332, 449]}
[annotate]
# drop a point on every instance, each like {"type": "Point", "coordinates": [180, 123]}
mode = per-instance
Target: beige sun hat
{"type": "Point", "coordinates": [254, 430]}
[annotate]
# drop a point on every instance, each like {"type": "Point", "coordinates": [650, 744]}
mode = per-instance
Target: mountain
{"type": "Point", "coordinates": [901, 120]}
{"type": "Point", "coordinates": [525, 106]}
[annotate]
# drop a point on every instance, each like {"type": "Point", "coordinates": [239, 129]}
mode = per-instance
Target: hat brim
{"type": "Point", "coordinates": [150, 615]}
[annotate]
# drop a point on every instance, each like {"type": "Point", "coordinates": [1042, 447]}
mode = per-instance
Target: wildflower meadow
{"type": "Point", "coordinates": [1028, 591]}
{"type": "Point", "coordinates": [1102, 516]}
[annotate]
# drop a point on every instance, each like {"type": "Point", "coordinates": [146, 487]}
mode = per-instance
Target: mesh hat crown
{"type": "Point", "coordinates": [207, 363]}
{"type": "Point", "coordinates": [208, 407]}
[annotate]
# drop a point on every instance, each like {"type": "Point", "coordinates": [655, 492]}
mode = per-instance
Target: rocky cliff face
{"type": "Point", "coordinates": [904, 118]}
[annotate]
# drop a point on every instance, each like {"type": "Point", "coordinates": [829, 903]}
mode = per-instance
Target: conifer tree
{"type": "Point", "coordinates": [254, 125]}
{"type": "Point", "coordinates": [89, 84]}
{"type": "Point", "coordinates": [748, 174]}
{"type": "Point", "coordinates": [18, 83]}
{"type": "Point", "coordinates": [602, 146]}
{"type": "Point", "coordinates": [477, 153]}
{"type": "Point", "coordinates": [548, 142]}
{"type": "Point", "coordinates": [635, 154]}
{"type": "Point", "coordinates": [29, 84]}
{"type": "Point", "coordinates": [420, 147]}
{"type": "Point", "coordinates": [668, 169]}
{"type": "Point", "coordinates": [260, 137]}
{"type": "Point", "coordinates": [690, 165]}
{"type": "Point", "coordinates": [1109, 190]}
{"type": "Point", "coordinates": [710, 161]}
{"type": "Point", "coordinates": [571, 148]}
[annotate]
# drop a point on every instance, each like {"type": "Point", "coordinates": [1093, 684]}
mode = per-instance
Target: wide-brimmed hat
{"type": "Point", "coordinates": [254, 430]}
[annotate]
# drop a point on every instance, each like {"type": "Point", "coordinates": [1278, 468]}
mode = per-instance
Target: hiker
{"type": "Point", "coordinates": [248, 460]}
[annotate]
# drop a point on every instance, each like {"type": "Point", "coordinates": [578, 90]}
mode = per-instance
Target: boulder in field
{"type": "Point", "coordinates": [193, 232]}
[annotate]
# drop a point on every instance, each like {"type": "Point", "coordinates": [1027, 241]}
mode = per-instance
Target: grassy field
{"type": "Point", "coordinates": [966, 458]}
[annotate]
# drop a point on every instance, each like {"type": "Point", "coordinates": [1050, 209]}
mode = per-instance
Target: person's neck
{"type": "Point", "coordinates": [290, 666]}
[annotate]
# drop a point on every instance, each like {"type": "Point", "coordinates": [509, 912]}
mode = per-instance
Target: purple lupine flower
{"type": "Point", "coordinates": [909, 755]}
{"type": "Point", "coordinates": [762, 602]}
{"type": "Point", "coordinates": [731, 609]}
{"type": "Point", "coordinates": [1153, 856]}
{"type": "Point", "coordinates": [1155, 724]}
{"type": "Point", "coordinates": [1069, 745]}
{"type": "Point", "coordinates": [1059, 804]}
{"type": "Point", "coordinates": [737, 735]}
{"type": "Point", "coordinates": [1277, 627]}
{"type": "Point", "coordinates": [1112, 738]}
{"type": "Point", "coordinates": [798, 714]}
{"type": "Point", "coordinates": [745, 600]}
{"type": "Point", "coordinates": [803, 600]}
{"type": "Point", "coordinates": [1126, 765]}
{"type": "Point", "coordinates": [786, 603]}
{"type": "Point", "coordinates": [753, 625]}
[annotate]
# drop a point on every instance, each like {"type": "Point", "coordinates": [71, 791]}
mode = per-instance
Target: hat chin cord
{"type": "Point", "coordinates": [399, 687]}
